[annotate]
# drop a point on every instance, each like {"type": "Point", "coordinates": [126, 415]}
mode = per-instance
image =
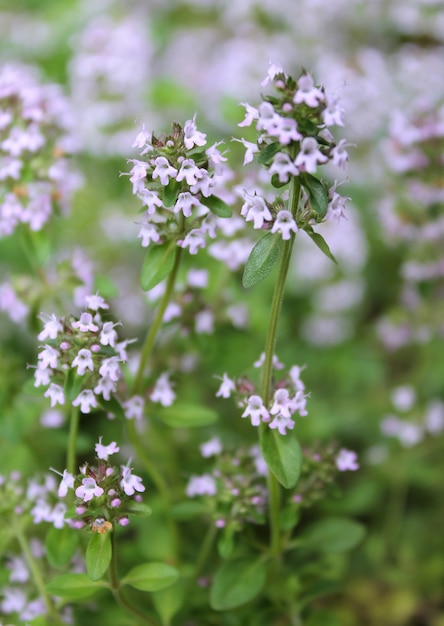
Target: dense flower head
{"type": "Point", "coordinates": [36, 179]}
{"type": "Point", "coordinates": [294, 140]}
{"type": "Point", "coordinates": [287, 398]}
{"type": "Point", "coordinates": [104, 493]}
{"type": "Point", "coordinates": [80, 357]}
{"type": "Point", "coordinates": [181, 184]}
{"type": "Point", "coordinates": [234, 489]}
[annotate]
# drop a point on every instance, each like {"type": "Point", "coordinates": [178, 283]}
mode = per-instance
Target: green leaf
{"type": "Point", "coordinates": [261, 260]}
{"type": "Point", "coordinates": [188, 509]}
{"type": "Point", "coordinates": [168, 601]}
{"type": "Point", "coordinates": [225, 544]}
{"type": "Point", "coordinates": [151, 576]}
{"type": "Point", "coordinates": [113, 407]}
{"type": "Point", "coordinates": [283, 456]}
{"type": "Point", "coordinates": [217, 206]}
{"type": "Point", "coordinates": [237, 582]}
{"type": "Point", "coordinates": [73, 384]}
{"type": "Point", "coordinates": [188, 415]}
{"type": "Point", "coordinates": [277, 183]}
{"type": "Point", "coordinates": [98, 555]}
{"type": "Point", "coordinates": [334, 534]}
{"type": "Point", "coordinates": [61, 544]}
{"type": "Point", "coordinates": [140, 509]}
{"type": "Point", "coordinates": [267, 155]}
{"type": "Point", "coordinates": [322, 244]}
{"type": "Point", "coordinates": [170, 193]}
{"type": "Point", "coordinates": [73, 586]}
{"type": "Point", "coordinates": [317, 194]}
{"type": "Point", "coordinates": [157, 264]}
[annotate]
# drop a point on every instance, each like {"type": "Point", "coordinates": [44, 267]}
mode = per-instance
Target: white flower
{"type": "Point", "coordinates": [83, 361]}
{"type": "Point", "coordinates": [284, 224]}
{"type": "Point", "coordinates": [193, 137]}
{"type": "Point", "coordinates": [226, 387]}
{"type": "Point", "coordinates": [55, 392]}
{"type": "Point", "coordinates": [89, 489]}
{"type": "Point", "coordinates": [103, 452]}
{"type": "Point", "coordinates": [163, 392]}
{"type": "Point", "coordinates": [130, 482]}
{"type": "Point", "coordinates": [256, 410]}
{"type": "Point", "coordinates": [86, 400]}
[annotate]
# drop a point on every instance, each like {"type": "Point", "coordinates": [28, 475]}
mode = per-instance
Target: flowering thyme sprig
{"type": "Point", "coordinates": [80, 358]}
{"type": "Point", "coordinates": [36, 179]}
{"type": "Point", "coordinates": [104, 493]}
{"type": "Point", "coordinates": [287, 398]}
{"type": "Point", "coordinates": [293, 141]}
{"type": "Point", "coordinates": [181, 186]}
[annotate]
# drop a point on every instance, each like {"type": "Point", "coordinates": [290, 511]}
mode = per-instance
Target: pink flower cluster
{"type": "Point", "coordinates": [181, 187]}
{"type": "Point", "coordinates": [288, 398]}
{"type": "Point", "coordinates": [35, 140]}
{"type": "Point", "coordinates": [85, 350]}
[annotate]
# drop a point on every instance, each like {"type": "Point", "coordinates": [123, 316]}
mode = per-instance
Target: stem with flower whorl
{"type": "Point", "coordinates": [72, 440]}
{"type": "Point", "coordinates": [267, 368]}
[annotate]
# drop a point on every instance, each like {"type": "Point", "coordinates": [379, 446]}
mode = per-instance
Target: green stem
{"type": "Point", "coordinates": [154, 328]}
{"type": "Point", "coordinates": [267, 369]}
{"type": "Point", "coordinates": [148, 345]}
{"type": "Point", "coordinates": [35, 571]}
{"type": "Point", "coordinates": [117, 591]}
{"type": "Point", "coordinates": [205, 549]}
{"type": "Point", "coordinates": [72, 440]}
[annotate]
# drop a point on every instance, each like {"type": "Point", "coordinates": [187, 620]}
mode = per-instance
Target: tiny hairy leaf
{"type": "Point", "coordinates": [151, 576]}
{"type": "Point", "coordinates": [283, 456]}
{"type": "Point", "coordinates": [170, 193]}
{"type": "Point", "coordinates": [98, 555]}
{"type": "Point", "coordinates": [262, 259]}
{"type": "Point", "coordinates": [157, 264]}
{"type": "Point", "coordinates": [321, 244]}
{"type": "Point", "coordinates": [267, 155]}
{"type": "Point", "coordinates": [73, 586]}
{"type": "Point", "coordinates": [237, 582]}
{"type": "Point", "coordinates": [317, 194]}
{"type": "Point", "coordinates": [217, 206]}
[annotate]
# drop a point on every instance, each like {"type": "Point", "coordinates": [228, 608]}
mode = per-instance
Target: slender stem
{"type": "Point", "coordinates": [35, 571]}
{"type": "Point", "coordinates": [154, 328]}
{"type": "Point", "coordinates": [205, 550]}
{"type": "Point", "coordinates": [267, 369]}
{"type": "Point", "coordinates": [72, 440]}
{"type": "Point", "coordinates": [148, 345]}
{"type": "Point", "coordinates": [117, 591]}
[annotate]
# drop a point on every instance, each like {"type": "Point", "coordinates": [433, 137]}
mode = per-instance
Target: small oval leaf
{"type": "Point", "coordinates": [170, 193]}
{"type": "Point", "coordinates": [317, 194]}
{"type": "Point", "coordinates": [334, 534]}
{"type": "Point", "coordinates": [237, 582]}
{"type": "Point", "coordinates": [61, 544]}
{"type": "Point", "coordinates": [283, 456]}
{"type": "Point", "coordinates": [322, 244]}
{"type": "Point", "coordinates": [217, 206]}
{"type": "Point", "coordinates": [151, 576]}
{"type": "Point", "coordinates": [262, 259]}
{"type": "Point", "coordinates": [98, 555]}
{"type": "Point", "coordinates": [267, 155]}
{"type": "Point", "coordinates": [157, 264]}
{"type": "Point", "coordinates": [188, 415]}
{"type": "Point", "coordinates": [73, 586]}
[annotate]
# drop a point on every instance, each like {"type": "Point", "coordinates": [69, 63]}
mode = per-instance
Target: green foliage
{"type": "Point", "coordinates": [187, 415]}
{"type": "Point", "coordinates": [217, 206]}
{"type": "Point", "coordinates": [333, 535]}
{"type": "Point", "coordinates": [151, 576]}
{"type": "Point", "coordinates": [157, 264]}
{"type": "Point", "coordinates": [262, 259]}
{"type": "Point", "coordinates": [283, 456]}
{"type": "Point", "coordinates": [73, 586]}
{"type": "Point", "coordinates": [237, 582]}
{"type": "Point", "coordinates": [98, 555]}
{"type": "Point", "coordinates": [61, 544]}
